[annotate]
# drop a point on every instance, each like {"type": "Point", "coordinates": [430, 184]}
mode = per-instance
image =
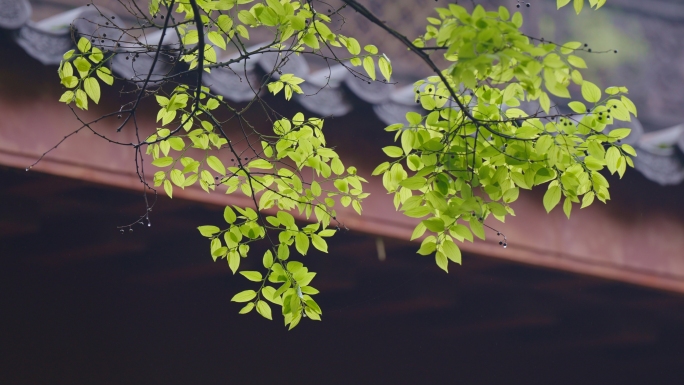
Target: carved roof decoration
{"type": "Point", "coordinates": [327, 91]}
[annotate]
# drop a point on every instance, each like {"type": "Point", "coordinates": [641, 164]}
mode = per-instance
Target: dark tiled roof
{"type": "Point", "coordinates": [327, 91]}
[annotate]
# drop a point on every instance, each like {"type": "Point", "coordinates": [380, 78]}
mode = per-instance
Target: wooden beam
{"type": "Point", "coordinates": [600, 240]}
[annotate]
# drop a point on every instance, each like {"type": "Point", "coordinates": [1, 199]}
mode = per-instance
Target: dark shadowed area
{"type": "Point", "coordinates": [84, 304]}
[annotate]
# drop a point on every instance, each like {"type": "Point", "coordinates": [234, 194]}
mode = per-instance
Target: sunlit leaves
{"type": "Point", "coordinates": [254, 276]}
{"type": "Point", "coordinates": [105, 75]}
{"type": "Point", "coordinates": [263, 309]}
{"type": "Point", "coordinates": [289, 83]}
{"type": "Point", "coordinates": [83, 45]}
{"type": "Point", "coordinates": [369, 66]}
{"type": "Point", "coordinates": [591, 92]}
{"type": "Point", "coordinates": [579, 4]}
{"type": "Point", "coordinates": [216, 164]}
{"type": "Point", "coordinates": [208, 231]}
{"type": "Point", "coordinates": [455, 168]}
{"type": "Point", "coordinates": [229, 215]}
{"type": "Point", "coordinates": [244, 296]}
{"type": "Point", "coordinates": [385, 67]}
{"type": "Point", "coordinates": [552, 197]}
{"type": "Point", "coordinates": [92, 88]}
{"type": "Point", "coordinates": [468, 165]}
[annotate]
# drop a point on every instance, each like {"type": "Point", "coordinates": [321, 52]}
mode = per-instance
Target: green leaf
{"type": "Point", "coordinates": [168, 188]}
{"type": "Point", "coordinates": [246, 17]}
{"type": "Point", "coordinates": [216, 38]}
{"type": "Point", "coordinates": [70, 81]}
{"type": "Point", "coordinates": [208, 231]}
{"type": "Point", "coordinates": [442, 261]}
{"type": "Point", "coordinates": [629, 105]}
{"type": "Point", "coordinates": [68, 54]}
{"type": "Point", "coordinates": [247, 308]}
{"type": "Point", "coordinates": [428, 246]}
{"type": "Point", "coordinates": [301, 243]}
{"type": "Point", "coordinates": [587, 199]}
{"type": "Point", "coordinates": [381, 168]}
{"type": "Point", "coordinates": [628, 149]}
{"type": "Point", "coordinates": [268, 259]}
{"type": "Point", "coordinates": [414, 182]}
{"type": "Point", "coordinates": [216, 164]}
{"type": "Point", "coordinates": [369, 66]}
{"type": "Point", "coordinates": [435, 225]}
{"type": "Point", "coordinates": [578, 107]}
{"type": "Point", "coordinates": [517, 19]}
{"type": "Point", "coordinates": [567, 207]}
{"type": "Point", "coordinates": [577, 61]}
{"type": "Point", "coordinates": [451, 251]}
{"type": "Point", "coordinates": [83, 45]}
{"type": "Point", "coordinates": [461, 231]}
{"type": "Point", "coordinates": [224, 23]}
{"type": "Point", "coordinates": [105, 75]}
{"type": "Point", "coordinates": [319, 243]}
{"type": "Point", "coordinates": [67, 97]}
{"type": "Point", "coordinates": [385, 67]}
{"type": "Point", "coordinates": [82, 65]}
{"type": "Point", "coordinates": [261, 164]}
{"type": "Point", "coordinates": [342, 185]}
{"type": "Point", "coordinates": [276, 6]}
{"type": "Point", "coordinates": [96, 55]}
{"type": "Point", "coordinates": [612, 156]}
{"type": "Point", "coordinates": [551, 198]}
{"type": "Point", "coordinates": [81, 100]}
{"type": "Point", "coordinates": [286, 219]}
{"type": "Point", "coordinates": [562, 3]}
{"type": "Point", "coordinates": [92, 88]}
{"type": "Point", "coordinates": [233, 261]}
{"type": "Point", "coordinates": [244, 296]}
{"type": "Point", "coordinates": [578, 4]}
{"type": "Point", "coordinates": [371, 49]}
{"type": "Point", "coordinates": [283, 252]}
{"type": "Point", "coordinates": [253, 276]}
{"type": "Point", "coordinates": [229, 215]}
{"type": "Point", "coordinates": [590, 91]}
{"type": "Point", "coordinates": [353, 46]}
{"type": "Point", "coordinates": [393, 151]}
{"type": "Point", "coordinates": [263, 309]}
{"type": "Point", "coordinates": [418, 212]}
{"type": "Point", "coordinates": [503, 13]}
{"type": "Point", "coordinates": [620, 133]}
{"type": "Point", "coordinates": [163, 162]}
{"type": "Point", "coordinates": [476, 227]}
{"type": "Point", "coordinates": [336, 166]}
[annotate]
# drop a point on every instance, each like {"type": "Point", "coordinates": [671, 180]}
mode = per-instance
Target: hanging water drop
{"type": "Point", "coordinates": [149, 224]}
{"type": "Point", "coordinates": [130, 229]}
{"type": "Point", "coordinates": [27, 168]}
{"type": "Point", "coordinates": [121, 231]}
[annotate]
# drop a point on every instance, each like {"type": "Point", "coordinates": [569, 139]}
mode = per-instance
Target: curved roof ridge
{"type": "Point", "coordinates": [326, 91]}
